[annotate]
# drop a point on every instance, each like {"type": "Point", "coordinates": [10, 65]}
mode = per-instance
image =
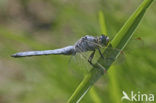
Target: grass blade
{"type": "Point", "coordinates": [102, 23]}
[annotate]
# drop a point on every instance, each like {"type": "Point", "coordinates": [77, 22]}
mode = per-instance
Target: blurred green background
{"type": "Point", "coordinates": [49, 24]}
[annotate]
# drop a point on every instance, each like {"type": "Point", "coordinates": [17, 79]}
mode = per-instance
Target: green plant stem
{"type": "Point", "coordinates": [102, 23]}
{"type": "Point", "coordinates": [119, 41]}
{"type": "Point", "coordinates": [114, 86]}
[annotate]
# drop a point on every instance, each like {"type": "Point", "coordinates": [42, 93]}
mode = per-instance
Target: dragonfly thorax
{"type": "Point", "coordinates": [90, 43]}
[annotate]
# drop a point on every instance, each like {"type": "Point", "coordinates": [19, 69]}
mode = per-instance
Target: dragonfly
{"type": "Point", "coordinates": [84, 44]}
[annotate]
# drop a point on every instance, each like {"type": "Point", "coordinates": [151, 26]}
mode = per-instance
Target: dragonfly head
{"type": "Point", "coordinates": [103, 40]}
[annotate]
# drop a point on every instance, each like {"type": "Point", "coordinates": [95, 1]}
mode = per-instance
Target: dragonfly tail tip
{"type": "Point", "coordinates": [14, 55]}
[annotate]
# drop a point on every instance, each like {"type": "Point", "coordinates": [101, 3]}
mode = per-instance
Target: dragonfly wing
{"type": "Point", "coordinates": [69, 50]}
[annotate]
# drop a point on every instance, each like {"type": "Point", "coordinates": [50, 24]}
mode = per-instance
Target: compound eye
{"type": "Point", "coordinates": [104, 39]}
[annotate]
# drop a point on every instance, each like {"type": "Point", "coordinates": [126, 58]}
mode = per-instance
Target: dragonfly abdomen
{"type": "Point", "coordinates": [69, 50]}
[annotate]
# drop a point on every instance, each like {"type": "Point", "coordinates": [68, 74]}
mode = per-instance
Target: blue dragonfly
{"type": "Point", "coordinates": [84, 44]}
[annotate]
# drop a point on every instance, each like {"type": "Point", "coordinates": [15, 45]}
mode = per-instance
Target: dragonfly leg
{"type": "Point", "coordinates": [91, 57]}
{"type": "Point", "coordinates": [100, 53]}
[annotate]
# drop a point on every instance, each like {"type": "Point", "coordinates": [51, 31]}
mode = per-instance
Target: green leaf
{"type": "Point", "coordinates": [102, 23]}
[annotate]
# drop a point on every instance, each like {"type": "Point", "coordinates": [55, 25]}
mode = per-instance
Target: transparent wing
{"type": "Point", "coordinates": [81, 62]}
{"type": "Point", "coordinates": [136, 43]}
{"type": "Point", "coordinates": [84, 56]}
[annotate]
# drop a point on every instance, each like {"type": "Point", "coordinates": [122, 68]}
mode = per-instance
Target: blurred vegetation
{"type": "Point", "coordinates": [49, 24]}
